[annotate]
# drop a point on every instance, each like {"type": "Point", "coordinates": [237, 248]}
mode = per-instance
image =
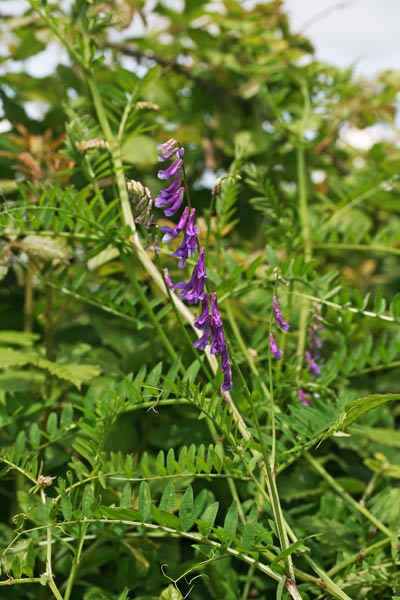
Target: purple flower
{"type": "Point", "coordinates": [227, 371]}
{"type": "Point", "coordinates": [218, 344]}
{"type": "Point", "coordinates": [304, 398]}
{"type": "Point", "coordinates": [189, 242]}
{"type": "Point", "coordinates": [193, 290]}
{"type": "Point", "coordinates": [278, 315]}
{"type": "Point", "coordinates": [172, 232]}
{"type": "Point", "coordinates": [168, 149]}
{"type": "Point", "coordinates": [211, 324]}
{"type": "Point", "coordinates": [172, 170]}
{"type": "Point", "coordinates": [274, 348]}
{"type": "Point", "coordinates": [314, 334]}
{"type": "Point", "coordinates": [168, 279]}
{"type": "Point", "coordinates": [315, 369]}
{"type": "Point", "coordinates": [171, 197]}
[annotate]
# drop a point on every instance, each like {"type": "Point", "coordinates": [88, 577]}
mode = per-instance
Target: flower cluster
{"type": "Point", "coordinates": [282, 323]}
{"type": "Point", "coordinates": [193, 291]}
{"type": "Point", "coordinates": [312, 354]}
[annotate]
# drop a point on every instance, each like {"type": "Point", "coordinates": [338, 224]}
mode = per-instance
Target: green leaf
{"type": "Point", "coordinates": [140, 150]}
{"type": "Point", "coordinates": [16, 567]}
{"type": "Point", "coordinates": [18, 338]}
{"type": "Point", "coordinates": [186, 516]}
{"type": "Point", "coordinates": [389, 437]}
{"type": "Point", "coordinates": [52, 425]}
{"type": "Point", "coordinates": [144, 500]}
{"type": "Point", "coordinates": [87, 501]}
{"type": "Point", "coordinates": [231, 519]}
{"type": "Point", "coordinates": [171, 593]}
{"type": "Point", "coordinates": [125, 500]}
{"type": "Point", "coordinates": [168, 498]}
{"type": "Point", "coordinates": [206, 523]}
{"type": "Point", "coordinates": [77, 374]}
{"type": "Point", "coordinates": [165, 518]}
{"type": "Point", "coordinates": [358, 407]}
{"type": "Point", "coordinates": [120, 514]}
{"type": "Point", "coordinates": [66, 506]}
{"type": "Point", "coordinates": [292, 548]}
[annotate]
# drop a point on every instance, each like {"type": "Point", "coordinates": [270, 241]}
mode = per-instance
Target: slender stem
{"type": "Point", "coordinates": [75, 563]}
{"type": "Point", "coordinates": [249, 581]}
{"type": "Point", "coordinates": [349, 499]}
{"type": "Point", "coordinates": [17, 581]}
{"type": "Point", "coordinates": [303, 204]}
{"type": "Point", "coordinates": [370, 248]}
{"type": "Point", "coordinates": [28, 305]}
{"type": "Point", "coordinates": [49, 568]}
{"type": "Point", "coordinates": [306, 235]}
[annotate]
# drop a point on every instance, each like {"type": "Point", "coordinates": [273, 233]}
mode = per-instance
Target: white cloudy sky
{"type": "Point", "coordinates": [360, 32]}
{"type": "Point", "coordinates": [363, 32]}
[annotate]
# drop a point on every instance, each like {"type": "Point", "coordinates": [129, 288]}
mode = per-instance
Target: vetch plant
{"type": "Point", "coordinates": [174, 421]}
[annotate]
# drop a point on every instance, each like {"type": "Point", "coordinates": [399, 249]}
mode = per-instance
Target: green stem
{"type": "Point", "coordinates": [12, 581]}
{"type": "Point", "coordinates": [49, 568]}
{"type": "Point", "coordinates": [349, 499]}
{"type": "Point", "coordinates": [303, 204]}
{"type": "Point", "coordinates": [370, 248]}
{"type": "Point", "coordinates": [324, 580]}
{"type": "Point", "coordinates": [358, 556]}
{"type": "Point", "coordinates": [306, 235]}
{"type": "Point", "coordinates": [249, 581]}
{"type": "Point", "coordinates": [74, 568]}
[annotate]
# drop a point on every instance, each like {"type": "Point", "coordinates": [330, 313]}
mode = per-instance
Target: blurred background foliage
{"type": "Point", "coordinates": [277, 185]}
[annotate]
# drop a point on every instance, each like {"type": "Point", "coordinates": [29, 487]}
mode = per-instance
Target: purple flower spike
{"type": "Point", "coordinates": [193, 290]}
{"type": "Point", "coordinates": [218, 344]}
{"type": "Point", "coordinates": [211, 324]}
{"type": "Point", "coordinates": [171, 170]}
{"type": "Point", "coordinates": [202, 342]}
{"type": "Point", "coordinates": [274, 348]}
{"type": "Point", "coordinates": [189, 243]}
{"type": "Point", "coordinates": [202, 318]}
{"type": "Point", "coordinates": [176, 203]}
{"type": "Point", "coordinates": [171, 198]}
{"type": "Point", "coordinates": [315, 369]}
{"type": "Point", "coordinates": [172, 232]}
{"type": "Point", "coordinates": [168, 149]}
{"type": "Point", "coordinates": [304, 398]}
{"type": "Point", "coordinates": [168, 279]}
{"type": "Point", "coordinates": [278, 315]}
{"type": "Point", "coordinates": [227, 371]}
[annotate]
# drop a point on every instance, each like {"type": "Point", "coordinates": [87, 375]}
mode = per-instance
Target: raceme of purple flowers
{"type": "Point", "coordinates": [312, 354]}
{"type": "Point", "coordinates": [282, 323]}
{"type": "Point", "coordinates": [193, 291]}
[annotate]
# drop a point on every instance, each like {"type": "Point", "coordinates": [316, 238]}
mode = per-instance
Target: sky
{"type": "Point", "coordinates": [364, 33]}
{"type": "Point", "coordinates": [360, 32]}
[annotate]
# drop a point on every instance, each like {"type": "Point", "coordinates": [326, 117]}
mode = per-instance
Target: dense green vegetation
{"type": "Point", "coordinates": [126, 471]}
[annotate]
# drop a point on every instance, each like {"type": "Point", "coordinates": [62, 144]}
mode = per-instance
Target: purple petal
{"type": "Point", "coordinates": [172, 232]}
{"type": "Point", "coordinates": [274, 348]}
{"type": "Point", "coordinates": [202, 318]}
{"type": "Point", "coordinates": [278, 315]}
{"type": "Point", "coordinates": [315, 369]}
{"type": "Point", "coordinates": [227, 371]}
{"type": "Point", "coordinates": [171, 170]}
